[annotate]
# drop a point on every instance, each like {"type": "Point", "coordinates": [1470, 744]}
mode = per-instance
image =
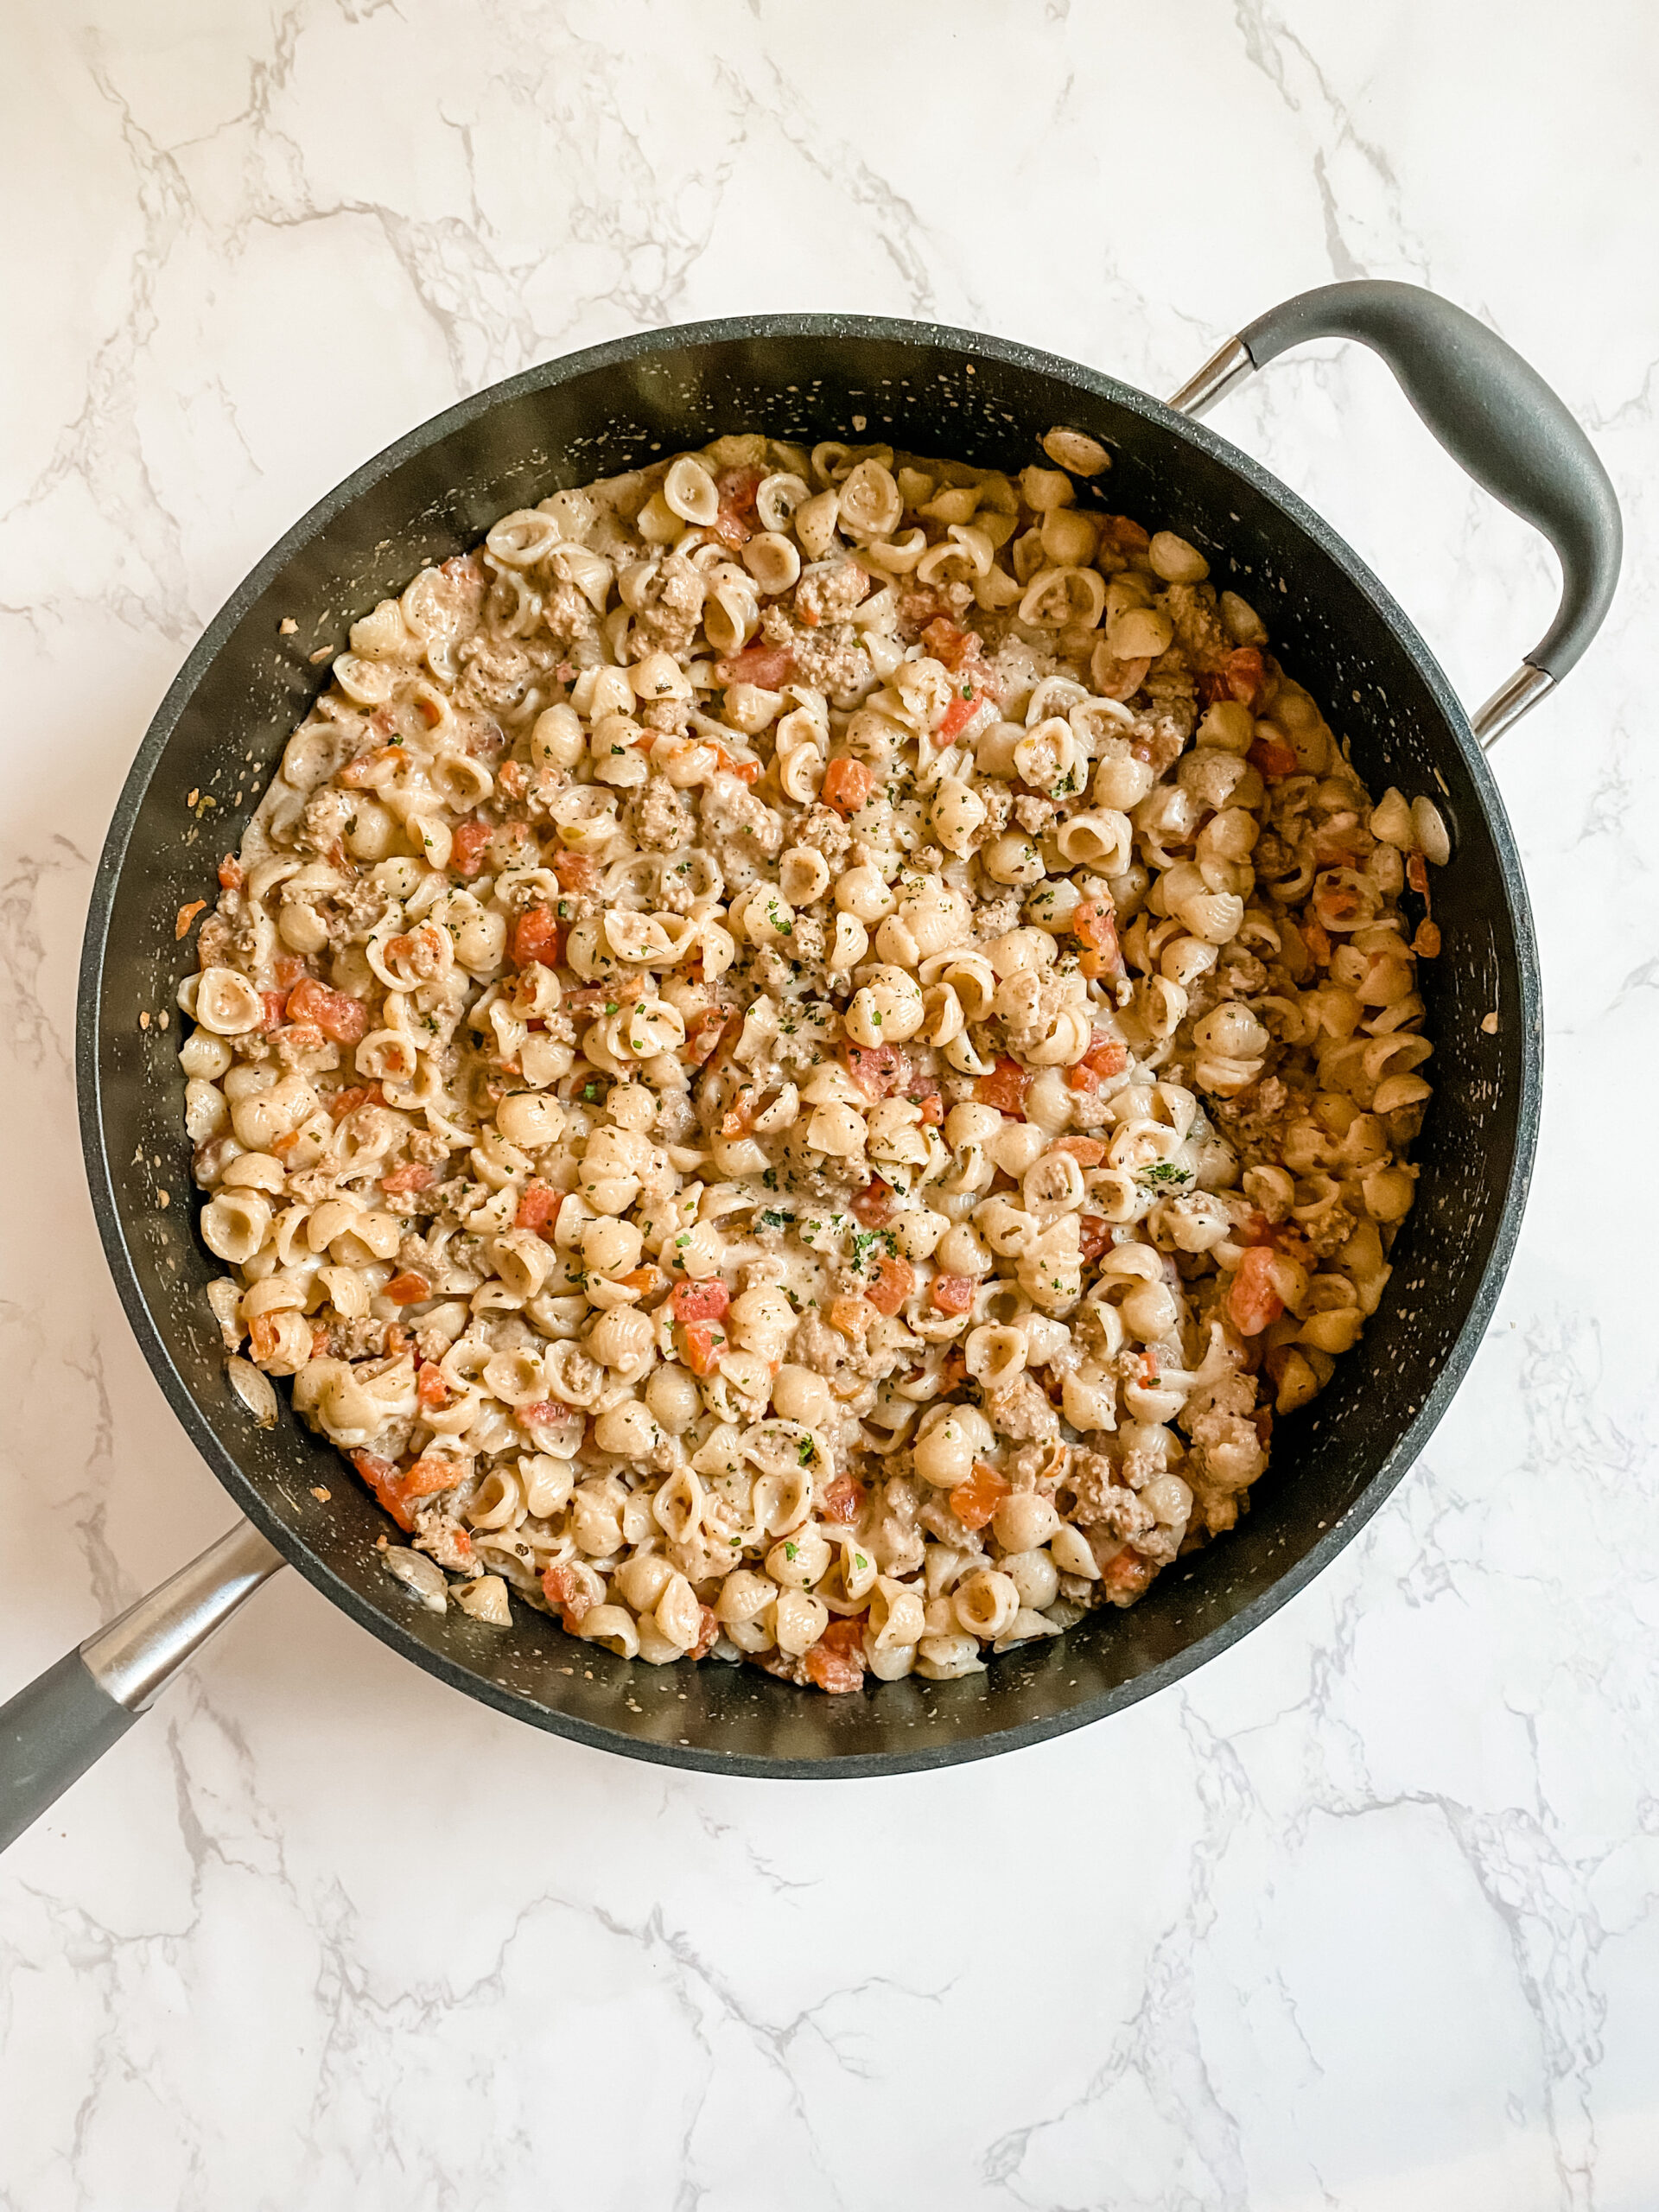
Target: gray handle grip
{"type": "Point", "coordinates": [68, 1717]}
{"type": "Point", "coordinates": [1497, 419]}
{"type": "Point", "coordinates": [1494, 414]}
{"type": "Point", "coordinates": [50, 1733]}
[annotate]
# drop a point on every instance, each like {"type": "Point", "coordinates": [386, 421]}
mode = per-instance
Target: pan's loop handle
{"type": "Point", "coordinates": [68, 1717]}
{"type": "Point", "coordinates": [1495, 415]}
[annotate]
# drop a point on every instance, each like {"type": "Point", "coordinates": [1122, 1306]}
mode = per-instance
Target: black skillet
{"type": "Point", "coordinates": [221, 728]}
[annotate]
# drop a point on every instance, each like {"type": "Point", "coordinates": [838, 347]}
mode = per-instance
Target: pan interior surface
{"type": "Point", "coordinates": [215, 743]}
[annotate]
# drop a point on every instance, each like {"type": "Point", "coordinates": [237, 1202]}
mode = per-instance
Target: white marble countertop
{"type": "Point", "coordinates": [1363, 1915]}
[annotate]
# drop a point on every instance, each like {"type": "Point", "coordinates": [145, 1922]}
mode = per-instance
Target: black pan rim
{"type": "Point", "coordinates": [89, 1090]}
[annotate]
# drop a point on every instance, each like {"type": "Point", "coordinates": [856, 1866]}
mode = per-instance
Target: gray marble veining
{"type": "Point", "coordinates": [1364, 1916]}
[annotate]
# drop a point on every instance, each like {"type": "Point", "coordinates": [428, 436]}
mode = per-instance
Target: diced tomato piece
{"type": "Point", "coordinates": [1246, 673]}
{"type": "Point", "coordinates": [701, 1302]}
{"type": "Point", "coordinates": [734, 524]}
{"type": "Point", "coordinates": [702, 1344]}
{"type": "Point", "coordinates": [1104, 1057]}
{"type": "Point", "coordinates": [335, 1013]}
{"type": "Point", "coordinates": [536, 938]}
{"type": "Point", "coordinates": [1126, 537]}
{"type": "Point", "coordinates": [232, 876]}
{"type": "Point", "coordinates": [1088, 1151]}
{"type": "Point", "coordinates": [1271, 757]}
{"type": "Point", "coordinates": [850, 1315]}
{"type": "Point", "coordinates": [739, 1119]}
{"type": "Point", "coordinates": [576, 871]}
{"type": "Point", "coordinates": [288, 970]}
{"type": "Point", "coordinates": [415, 1177]}
{"type": "Point", "coordinates": [976, 1497]}
{"type": "Point", "coordinates": [847, 785]}
{"type": "Point", "coordinates": [1127, 1575]}
{"type": "Point", "coordinates": [409, 1289]}
{"type": "Point", "coordinates": [1211, 687]}
{"type": "Point", "coordinates": [932, 1108]}
{"type": "Point", "coordinates": [1417, 873]}
{"type": "Point", "coordinates": [563, 1586]}
{"type": "Point", "coordinates": [1255, 1228]}
{"type": "Point", "coordinates": [878, 1070]}
{"type": "Point", "coordinates": [262, 1335]}
{"type": "Point", "coordinates": [647, 1280]}
{"type": "Point", "coordinates": [1317, 939]}
{"type": "Point", "coordinates": [894, 1281]}
{"type": "Point", "coordinates": [949, 642]}
{"type": "Point", "coordinates": [1096, 922]}
{"type": "Point", "coordinates": [538, 1208]}
{"type": "Point", "coordinates": [874, 1204]}
{"type": "Point", "coordinates": [765, 667]}
{"type": "Point", "coordinates": [1094, 1235]}
{"type": "Point", "coordinates": [275, 1005]}
{"type": "Point", "coordinates": [846, 1633]}
{"type": "Point", "coordinates": [746, 772]}
{"type": "Point", "coordinates": [559, 1584]}
{"type": "Point", "coordinates": [953, 1294]}
{"type": "Point", "coordinates": [702, 1035]}
{"type": "Point", "coordinates": [468, 844]}
{"type": "Point", "coordinates": [707, 1630]}
{"type": "Point", "coordinates": [842, 1499]}
{"type": "Point", "coordinates": [1005, 1088]}
{"type": "Point", "coordinates": [430, 1388]}
{"type": "Point", "coordinates": [342, 1103]}
{"type": "Point", "coordinates": [381, 1476]}
{"type": "Point", "coordinates": [835, 1661]}
{"type": "Point", "coordinates": [367, 768]}
{"type": "Point", "coordinates": [426, 1477]}
{"type": "Point", "coordinates": [737, 487]}
{"type": "Point", "coordinates": [1252, 1301]}
{"type": "Point", "coordinates": [958, 716]}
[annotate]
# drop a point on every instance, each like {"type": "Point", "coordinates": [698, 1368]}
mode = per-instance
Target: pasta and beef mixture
{"type": "Point", "coordinates": [805, 1051]}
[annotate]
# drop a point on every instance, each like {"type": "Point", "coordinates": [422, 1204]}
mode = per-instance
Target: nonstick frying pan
{"type": "Point", "coordinates": [218, 737]}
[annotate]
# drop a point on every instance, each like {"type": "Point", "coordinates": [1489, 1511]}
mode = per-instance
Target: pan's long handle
{"type": "Point", "coordinates": [52, 1731]}
{"type": "Point", "coordinates": [1495, 415]}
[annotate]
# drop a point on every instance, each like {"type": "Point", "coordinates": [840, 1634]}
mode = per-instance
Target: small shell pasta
{"type": "Point", "coordinates": [804, 1042]}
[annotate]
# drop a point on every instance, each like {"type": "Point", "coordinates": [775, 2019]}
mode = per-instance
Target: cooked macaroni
{"type": "Point", "coordinates": [805, 1049]}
